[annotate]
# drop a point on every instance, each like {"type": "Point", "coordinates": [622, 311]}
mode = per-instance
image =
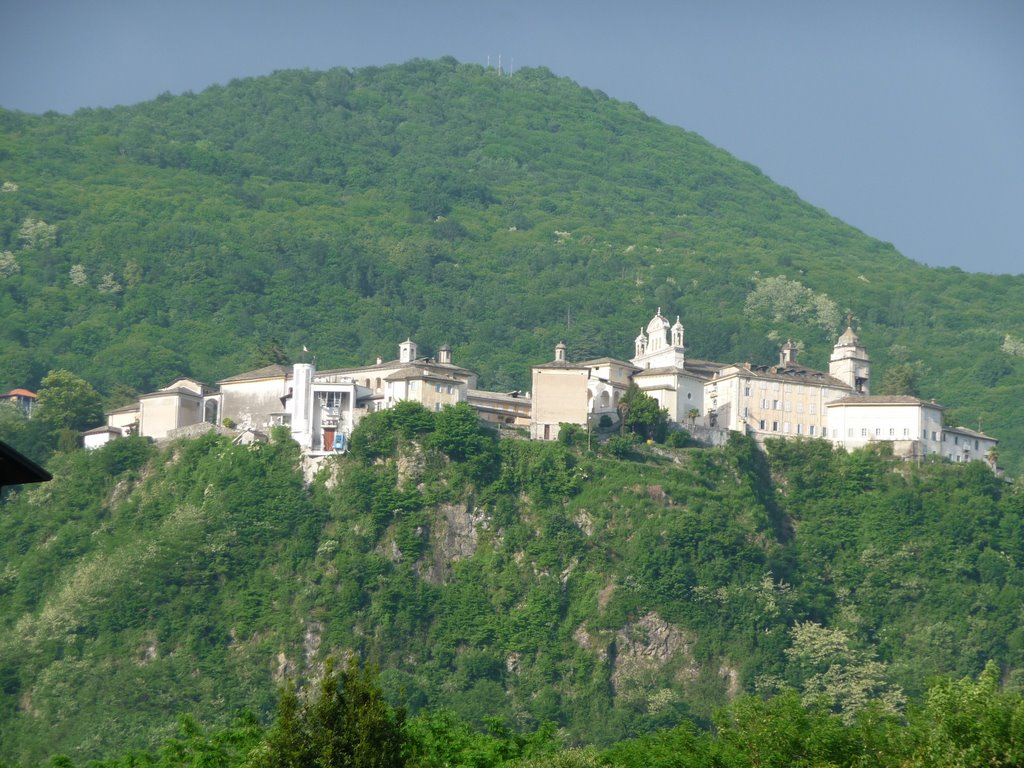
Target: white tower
{"type": "Point", "coordinates": [302, 406]}
{"type": "Point", "coordinates": [850, 362]}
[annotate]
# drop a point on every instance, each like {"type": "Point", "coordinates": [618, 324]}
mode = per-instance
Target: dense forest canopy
{"type": "Point", "coordinates": [207, 234]}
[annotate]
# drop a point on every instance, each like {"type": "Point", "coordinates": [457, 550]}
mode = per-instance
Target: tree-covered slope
{"type": "Point", "coordinates": [525, 581]}
{"type": "Point", "coordinates": [346, 210]}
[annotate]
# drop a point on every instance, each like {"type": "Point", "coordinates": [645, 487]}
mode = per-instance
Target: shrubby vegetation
{"type": "Point", "coordinates": [439, 201]}
{"type": "Point", "coordinates": [501, 587]}
{"type": "Point", "coordinates": [961, 724]}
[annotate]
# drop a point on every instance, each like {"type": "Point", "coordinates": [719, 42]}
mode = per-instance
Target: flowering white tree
{"type": "Point", "coordinates": [77, 275]}
{"type": "Point", "coordinates": [8, 264]}
{"type": "Point", "coordinates": [838, 677]}
{"type": "Point", "coordinates": [36, 233]}
{"type": "Point", "coordinates": [778, 299]}
{"type": "Point", "coordinates": [109, 284]}
{"type": "Point", "coordinates": [1013, 346]}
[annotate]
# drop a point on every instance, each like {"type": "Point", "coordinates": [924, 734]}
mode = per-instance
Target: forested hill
{"type": "Point", "coordinates": [346, 210]}
{"type": "Point", "coordinates": [530, 582]}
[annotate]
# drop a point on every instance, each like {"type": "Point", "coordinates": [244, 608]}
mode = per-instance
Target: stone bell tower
{"type": "Point", "coordinates": [850, 362]}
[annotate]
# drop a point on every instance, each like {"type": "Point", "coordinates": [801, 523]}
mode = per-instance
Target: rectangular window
{"type": "Point", "coordinates": [775, 405]}
{"type": "Point", "coordinates": [849, 432]}
{"type": "Point", "coordinates": [746, 411]}
{"type": "Point", "coordinates": [746, 391]}
{"type": "Point", "coordinates": [878, 431]}
{"type": "Point", "coordinates": [924, 434]}
{"type": "Point", "coordinates": [789, 406]}
{"type": "Point", "coordinates": [775, 426]}
{"type": "Point", "coordinates": [891, 431]}
{"type": "Point", "coordinates": [799, 428]}
{"type": "Point", "coordinates": [437, 387]}
{"type": "Point", "coordinates": [906, 431]}
{"type": "Point", "coordinates": [810, 430]}
{"type": "Point", "coordinates": [761, 425]}
{"type": "Point", "coordinates": [863, 432]}
{"type": "Point", "coordinates": [785, 427]}
{"type": "Point", "coordinates": [800, 407]}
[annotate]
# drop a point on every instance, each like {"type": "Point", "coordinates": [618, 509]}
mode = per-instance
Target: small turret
{"type": "Point", "coordinates": [444, 355]}
{"type": "Point", "coordinates": [407, 351]}
{"type": "Point", "coordinates": [677, 334]}
{"type": "Point", "coordinates": [641, 343]}
{"type": "Point", "coordinates": [560, 352]}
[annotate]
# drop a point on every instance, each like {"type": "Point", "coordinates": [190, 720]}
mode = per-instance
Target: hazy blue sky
{"type": "Point", "coordinates": [903, 118]}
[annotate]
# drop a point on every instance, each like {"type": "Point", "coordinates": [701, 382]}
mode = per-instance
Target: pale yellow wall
{"type": "Point", "coordinates": [558, 396]}
{"type": "Point", "coordinates": [159, 414]}
{"type": "Point", "coordinates": [123, 419]}
{"type": "Point", "coordinates": [450, 394]}
{"type": "Point", "coordinates": [786, 408]}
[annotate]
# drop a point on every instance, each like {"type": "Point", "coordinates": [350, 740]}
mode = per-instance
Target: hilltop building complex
{"type": "Point", "coordinates": [783, 400]}
{"type": "Point", "coordinates": [788, 399]}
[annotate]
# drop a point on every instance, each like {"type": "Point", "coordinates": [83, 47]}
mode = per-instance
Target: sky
{"type": "Point", "coordinates": [904, 118]}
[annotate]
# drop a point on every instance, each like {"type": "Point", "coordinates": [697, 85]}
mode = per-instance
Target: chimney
{"type": "Point", "coordinates": [787, 354]}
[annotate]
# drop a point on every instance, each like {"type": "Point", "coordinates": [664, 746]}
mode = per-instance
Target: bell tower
{"type": "Point", "coordinates": [407, 351]}
{"type": "Point", "coordinates": [850, 362]}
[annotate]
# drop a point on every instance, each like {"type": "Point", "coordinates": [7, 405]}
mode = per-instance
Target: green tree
{"type": "Point", "coordinates": [347, 724]}
{"type": "Point", "coordinates": [642, 415]}
{"type": "Point", "coordinates": [899, 380]}
{"type": "Point", "coordinates": [67, 401]}
{"type": "Point", "coordinates": [969, 724]}
{"type": "Point", "coordinates": [459, 434]}
{"type": "Point", "coordinates": [411, 419]}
